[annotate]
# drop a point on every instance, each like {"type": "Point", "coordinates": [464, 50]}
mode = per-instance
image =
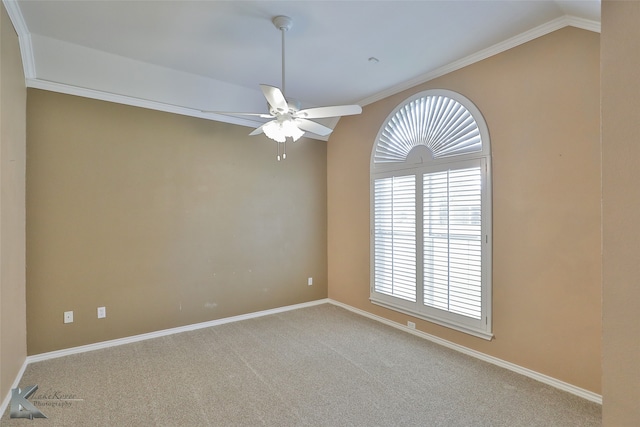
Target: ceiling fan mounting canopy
{"type": "Point", "coordinates": [283, 23]}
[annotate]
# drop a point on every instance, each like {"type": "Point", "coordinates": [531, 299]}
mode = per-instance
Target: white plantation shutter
{"type": "Point", "coordinates": [452, 241]}
{"type": "Point", "coordinates": [395, 236]}
{"type": "Point", "coordinates": [436, 240]}
{"type": "Point", "coordinates": [431, 212]}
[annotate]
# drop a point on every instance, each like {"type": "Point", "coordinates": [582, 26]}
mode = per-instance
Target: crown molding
{"type": "Point", "coordinates": [585, 24]}
{"type": "Point", "coordinates": [527, 36]}
{"type": "Point", "coordinates": [24, 37]}
{"type": "Point", "coordinates": [145, 103]}
{"type": "Point", "coordinates": [136, 102]}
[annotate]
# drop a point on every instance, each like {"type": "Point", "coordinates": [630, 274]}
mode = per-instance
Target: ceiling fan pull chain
{"type": "Point", "coordinates": [278, 150]}
{"type": "Point", "coordinates": [284, 149]}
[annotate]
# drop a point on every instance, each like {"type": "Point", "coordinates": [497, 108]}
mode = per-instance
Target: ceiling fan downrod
{"type": "Point", "coordinates": [283, 23]}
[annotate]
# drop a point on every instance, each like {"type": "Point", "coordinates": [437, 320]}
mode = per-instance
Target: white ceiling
{"type": "Point", "coordinates": [212, 55]}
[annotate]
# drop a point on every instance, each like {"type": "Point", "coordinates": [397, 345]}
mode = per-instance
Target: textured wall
{"type": "Point", "coordinates": [620, 212]}
{"type": "Point", "coordinates": [12, 207]}
{"type": "Point", "coordinates": [541, 103]}
{"type": "Point", "coordinates": [163, 219]}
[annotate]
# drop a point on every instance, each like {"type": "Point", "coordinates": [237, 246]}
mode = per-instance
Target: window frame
{"type": "Point", "coordinates": [418, 163]}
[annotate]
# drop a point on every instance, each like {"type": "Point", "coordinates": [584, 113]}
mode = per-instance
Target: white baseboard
{"type": "Point", "coordinates": [164, 332]}
{"type": "Point", "coordinates": [570, 388]}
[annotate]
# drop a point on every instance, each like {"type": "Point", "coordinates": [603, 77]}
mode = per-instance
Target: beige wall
{"type": "Point", "coordinates": [12, 207]}
{"type": "Point", "coordinates": [621, 212]}
{"type": "Point", "coordinates": [541, 103]}
{"type": "Point", "coordinates": [165, 220]}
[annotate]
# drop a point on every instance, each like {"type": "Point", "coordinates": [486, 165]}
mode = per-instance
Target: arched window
{"type": "Point", "coordinates": [431, 212]}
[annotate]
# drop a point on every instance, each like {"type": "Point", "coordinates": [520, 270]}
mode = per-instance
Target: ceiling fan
{"type": "Point", "coordinates": [288, 120]}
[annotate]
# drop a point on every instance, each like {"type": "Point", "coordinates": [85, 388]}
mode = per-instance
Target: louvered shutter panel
{"type": "Point", "coordinates": [453, 241]}
{"type": "Point", "coordinates": [395, 236]}
{"type": "Point", "coordinates": [436, 240]}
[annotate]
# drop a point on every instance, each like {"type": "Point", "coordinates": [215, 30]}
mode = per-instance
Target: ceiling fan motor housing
{"type": "Point", "coordinates": [293, 104]}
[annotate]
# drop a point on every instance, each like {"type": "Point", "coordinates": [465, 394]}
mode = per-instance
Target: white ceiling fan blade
{"type": "Point", "coordinates": [231, 113]}
{"type": "Point", "coordinates": [257, 131]}
{"type": "Point", "coordinates": [313, 127]}
{"type": "Point", "coordinates": [275, 98]}
{"type": "Point", "coordinates": [335, 111]}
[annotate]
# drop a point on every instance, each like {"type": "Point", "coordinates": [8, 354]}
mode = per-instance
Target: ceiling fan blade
{"type": "Point", "coordinates": [335, 111]}
{"type": "Point", "coordinates": [257, 131]}
{"type": "Point", "coordinates": [275, 98]}
{"type": "Point", "coordinates": [231, 113]}
{"type": "Point", "coordinates": [313, 127]}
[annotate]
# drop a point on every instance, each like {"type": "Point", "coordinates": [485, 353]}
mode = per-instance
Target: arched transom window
{"type": "Point", "coordinates": [431, 212]}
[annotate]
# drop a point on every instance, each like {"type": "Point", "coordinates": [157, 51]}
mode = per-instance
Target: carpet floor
{"type": "Point", "coordinates": [316, 366]}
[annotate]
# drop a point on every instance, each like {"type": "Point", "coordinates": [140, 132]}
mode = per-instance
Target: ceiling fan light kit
{"type": "Point", "coordinates": [288, 120]}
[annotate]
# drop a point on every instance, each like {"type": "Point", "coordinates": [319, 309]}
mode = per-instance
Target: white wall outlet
{"type": "Point", "coordinates": [68, 317]}
{"type": "Point", "coordinates": [102, 312]}
{"type": "Point", "coordinates": [310, 281]}
{"type": "Point", "coordinates": [411, 325]}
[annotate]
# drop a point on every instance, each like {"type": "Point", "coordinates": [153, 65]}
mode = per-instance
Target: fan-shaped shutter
{"type": "Point", "coordinates": [440, 123]}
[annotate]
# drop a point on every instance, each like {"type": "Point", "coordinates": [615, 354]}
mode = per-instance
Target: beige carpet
{"type": "Point", "coordinates": [317, 366]}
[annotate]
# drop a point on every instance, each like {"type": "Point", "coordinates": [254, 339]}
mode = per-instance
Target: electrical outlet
{"type": "Point", "coordinates": [68, 317]}
{"type": "Point", "coordinates": [310, 281]}
{"type": "Point", "coordinates": [102, 312]}
{"type": "Point", "coordinates": [411, 325]}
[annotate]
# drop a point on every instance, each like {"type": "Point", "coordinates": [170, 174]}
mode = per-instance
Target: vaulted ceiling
{"type": "Point", "coordinates": [189, 56]}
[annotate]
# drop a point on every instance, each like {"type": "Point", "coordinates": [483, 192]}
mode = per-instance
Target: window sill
{"type": "Point", "coordinates": [451, 325]}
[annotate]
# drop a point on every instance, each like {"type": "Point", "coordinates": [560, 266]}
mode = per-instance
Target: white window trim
{"type": "Point", "coordinates": [477, 327]}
